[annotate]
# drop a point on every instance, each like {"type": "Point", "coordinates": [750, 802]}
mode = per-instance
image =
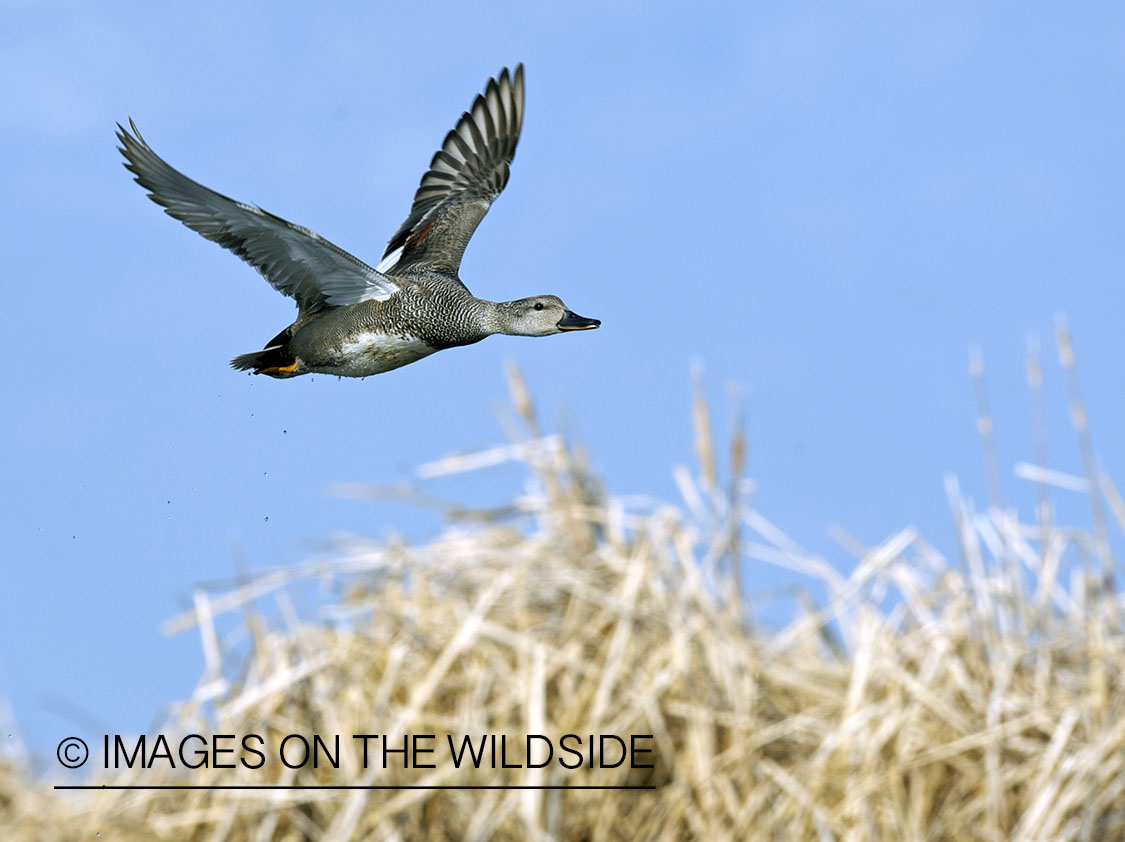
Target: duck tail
{"type": "Point", "coordinates": [274, 360]}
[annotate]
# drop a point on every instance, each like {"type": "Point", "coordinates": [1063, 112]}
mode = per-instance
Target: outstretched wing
{"type": "Point", "coordinates": [464, 178]}
{"type": "Point", "coordinates": [296, 261]}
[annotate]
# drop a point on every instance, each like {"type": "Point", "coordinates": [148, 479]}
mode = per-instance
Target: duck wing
{"type": "Point", "coordinates": [465, 177]}
{"type": "Point", "coordinates": [296, 261]}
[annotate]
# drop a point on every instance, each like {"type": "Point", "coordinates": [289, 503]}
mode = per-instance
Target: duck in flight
{"type": "Point", "coordinates": [353, 320]}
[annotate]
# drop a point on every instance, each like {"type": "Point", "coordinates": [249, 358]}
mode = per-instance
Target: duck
{"type": "Point", "coordinates": [354, 320]}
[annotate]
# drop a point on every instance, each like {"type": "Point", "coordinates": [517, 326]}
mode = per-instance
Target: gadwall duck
{"type": "Point", "coordinates": [353, 320]}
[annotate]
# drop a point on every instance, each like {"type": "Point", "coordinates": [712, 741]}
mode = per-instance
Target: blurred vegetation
{"type": "Point", "coordinates": [926, 698]}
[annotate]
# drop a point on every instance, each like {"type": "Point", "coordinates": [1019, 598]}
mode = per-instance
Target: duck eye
{"type": "Point", "coordinates": [538, 305]}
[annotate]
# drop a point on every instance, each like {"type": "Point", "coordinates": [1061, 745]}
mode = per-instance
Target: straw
{"type": "Point", "coordinates": [925, 699]}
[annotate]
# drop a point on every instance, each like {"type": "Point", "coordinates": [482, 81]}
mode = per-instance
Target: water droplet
{"type": "Point", "coordinates": [267, 518]}
{"type": "Point", "coordinates": [169, 502]}
{"type": "Point", "coordinates": [265, 473]}
{"type": "Point", "coordinates": [251, 414]}
{"type": "Point", "coordinates": [285, 432]}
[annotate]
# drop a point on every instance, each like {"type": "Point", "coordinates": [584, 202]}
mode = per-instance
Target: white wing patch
{"type": "Point", "coordinates": [388, 262]}
{"type": "Point", "coordinates": [377, 293]}
{"type": "Point", "coordinates": [344, 288]}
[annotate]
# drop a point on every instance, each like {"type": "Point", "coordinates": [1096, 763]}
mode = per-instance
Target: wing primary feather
{"type": "Point", "coordinates": [465, 176]}
{"type": "Point", "coordinates": [295, 260]}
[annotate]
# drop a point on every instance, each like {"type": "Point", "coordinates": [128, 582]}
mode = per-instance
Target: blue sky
{"type": "Point", "coordinates": [825, 204]}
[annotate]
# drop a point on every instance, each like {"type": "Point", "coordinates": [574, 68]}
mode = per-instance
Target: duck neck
{"type": "Point", "coordinates": [500, 316]}
{"type": "Point", "coordinates": [472, 320]}
{"type": "Point", "coordinates": [487, 318]}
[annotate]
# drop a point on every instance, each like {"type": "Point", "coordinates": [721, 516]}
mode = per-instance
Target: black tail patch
{"type": "Point", "coordinates": [274, 356]}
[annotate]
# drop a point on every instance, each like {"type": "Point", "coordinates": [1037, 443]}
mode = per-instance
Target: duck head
{"type": "Point", "coordinates": [540, 315]}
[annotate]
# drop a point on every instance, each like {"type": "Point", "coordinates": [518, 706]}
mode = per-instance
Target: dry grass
{"type": "Point", "coordinates": [924, 700]}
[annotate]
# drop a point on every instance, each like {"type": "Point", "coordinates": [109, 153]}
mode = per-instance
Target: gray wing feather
{"type": "Point", "coordinates": [464, 178]}
{"type": "Point", "coordinates": [296, 261]}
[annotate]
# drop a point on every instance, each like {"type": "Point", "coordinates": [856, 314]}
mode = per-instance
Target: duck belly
{"type": "Point", "coordinates": [370, 353]}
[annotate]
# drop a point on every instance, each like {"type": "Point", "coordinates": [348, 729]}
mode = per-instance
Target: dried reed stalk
{"type": "Point", "coordinates": [961, 711]}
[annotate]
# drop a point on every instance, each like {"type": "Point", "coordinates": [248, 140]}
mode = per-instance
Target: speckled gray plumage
{"type": "Point", "coordinates": [439, 313]}
{"type": "Point", "coordinates": [355, 320]}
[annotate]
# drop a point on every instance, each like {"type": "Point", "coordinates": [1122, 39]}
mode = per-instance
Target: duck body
{"type": "Point", "coordinates": [354, 320]}
{"type": "Point", "coordinates": [372, 337]}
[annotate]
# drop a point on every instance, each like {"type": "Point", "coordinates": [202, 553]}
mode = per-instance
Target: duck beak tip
{"type": "Point", "coordinates": [572, 321]}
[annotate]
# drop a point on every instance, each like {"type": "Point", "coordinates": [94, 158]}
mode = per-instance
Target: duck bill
{"type": "Point", "coordinates": [572, 321]}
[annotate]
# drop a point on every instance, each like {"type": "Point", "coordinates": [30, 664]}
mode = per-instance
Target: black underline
{"type": "Point", "coordinates": [354, 786]}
